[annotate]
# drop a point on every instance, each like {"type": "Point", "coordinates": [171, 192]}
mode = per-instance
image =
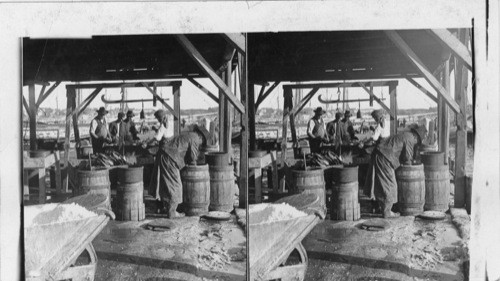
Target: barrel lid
{"type": "Point", "coordinates": [376, 224]}
{"type": "Point", "coordinates": [432, 215]}
{"type": "Point", "coordinates": [217, 215]}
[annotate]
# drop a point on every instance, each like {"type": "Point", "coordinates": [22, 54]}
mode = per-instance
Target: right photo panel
{"type": "Point", "coordinates": [361, 150]}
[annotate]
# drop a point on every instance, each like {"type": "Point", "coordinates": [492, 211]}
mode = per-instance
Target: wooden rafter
{"type": "Point", "coordinates": [262, 90]}
{"type": "Point", "coordinates": [412, 57]}
{"type": "Point", "coordinates": [450, 41]}
{"type": "Point", "coordinates": [387, 109]}
{"type": "Point", "coordinates": [44, 96]}
{"type": "Point", "coordinates": [422, 89]}
{"type": "Point", "coordinates": [83, 105]}
{"type": "Point", "coordinates": [237, 40]}
{"type": "Point", "coordinates": [203, 64]}
{"type": "Point", "coordinates": [176, 114]}
{"type": "Point", "coordinates": [262, 97]}
{"type": "Point", "coordinates": [303, 102]}
{"type": "Point", "coordinates": [336, 85]}
{"type": "Point", "coordinates": [203, 89]}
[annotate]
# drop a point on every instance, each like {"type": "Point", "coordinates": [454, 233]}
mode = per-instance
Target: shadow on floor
{"type": "Point", "coordinates": [166, 264]}
{"type": "Point", "coordinates": [379, 264]}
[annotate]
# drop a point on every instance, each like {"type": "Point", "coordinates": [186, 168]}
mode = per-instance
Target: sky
{"type": "Point", "coordinates": [192, 98]}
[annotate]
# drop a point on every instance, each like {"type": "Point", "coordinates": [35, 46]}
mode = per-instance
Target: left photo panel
{"type": "Point", "coordinates": [135, 157]}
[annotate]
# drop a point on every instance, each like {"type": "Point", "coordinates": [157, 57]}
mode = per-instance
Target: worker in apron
{"type": "Point", "coordinates": [99, 133]}
{"type": "Point", "coordinates": [173, 154]}
{"type": "Point", "coordinates": [387, 156]}
{"type": "Point", "coordinates": [316, 131]}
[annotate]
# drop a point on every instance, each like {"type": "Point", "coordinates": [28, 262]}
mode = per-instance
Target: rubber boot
{"type": "Point", "coordinates": [386, 210]}
{"type": "Point", "coordinates": [172, 211]}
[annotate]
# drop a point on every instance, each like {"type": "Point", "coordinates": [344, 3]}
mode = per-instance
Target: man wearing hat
{"type": "Point", "coordinates": [99, 133]}
{"type": "Point", "coordinates": [130, 131]}
{"type": "Point", "coordinates": [116, 129]}
{"type": "Point", "coordinates": [316, 130]}
{"type": "Point", "coordinates": [347, 129]}
{"type": "Point", "coordinates": [387, 156]}
{"type": "Point", "coordinates": [333, 129]}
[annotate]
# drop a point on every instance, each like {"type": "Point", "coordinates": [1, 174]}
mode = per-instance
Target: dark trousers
{"type": "Point", "coordinates": [315, 145]}
{"type": "Point", "coordinates": [98, 145]}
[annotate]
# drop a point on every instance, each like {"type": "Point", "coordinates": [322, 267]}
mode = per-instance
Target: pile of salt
{"type": "Point", "coordinates": [54, 213]}
{"type": "Point", "coordinates": [266, 213]}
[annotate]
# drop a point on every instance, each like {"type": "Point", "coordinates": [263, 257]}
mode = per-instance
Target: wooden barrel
{"type": "Point", "coordinates": [195, 189]}
{"type": "Point", "coordinates": [411, 189]}
{"type": "Point", "coordinates": [345, 203]}
{"type": "Point", "coordinates": [221, 188]}
{"type": "Point", "coordinates": [130, 174]}
{"type": "Point", "coordinates": [437, 188]}
{"type": "Point", "coordinates": [312, 181]}
{"type": "Point", "coordinates": [219, 159]}
{"type": "Point", "coordinates": [93, 182]}
{"type": "Point", "coordinates": [329, 174]}
{"type": "Point", "coordinates": [345, 174]}
{"type": "Point", "coordinates": [432, 158]}
{"type": "Point", "coordinates": [129, 201]}
{"type": "Point", "coordinates": [206, 149]}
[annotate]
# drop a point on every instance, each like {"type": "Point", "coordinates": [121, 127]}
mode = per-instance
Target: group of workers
{"type": "Point", "coordinates": [338, 132]}
{"type": "Point", "coordinates": [174, 153]}
{"type": "Point", "coordinates": [388, 152]}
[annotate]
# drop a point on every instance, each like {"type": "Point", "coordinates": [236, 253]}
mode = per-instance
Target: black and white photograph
{"type": "Point", "coordinates": [250, 140]}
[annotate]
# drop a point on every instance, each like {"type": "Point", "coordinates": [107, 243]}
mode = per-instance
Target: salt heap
{"type": "Point", "coordinates": [266, 213]}
{"type": "Point", "coordinates": [54, 213]}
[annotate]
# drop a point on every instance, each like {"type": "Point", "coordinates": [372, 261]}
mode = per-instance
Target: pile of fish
{"type": "Point", "coordinates": [108, 159]}
{"type": "Point", "coordinates": [327, 158]}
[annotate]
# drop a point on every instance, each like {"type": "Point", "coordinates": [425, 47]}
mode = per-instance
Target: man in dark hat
{"type": "Point", "coordinates": [347, 132]}
{"type": "Point", "coordinates": [387, 156]}
{"type": "Point", "coordinates": [316, 130]}
{"type": "Point", "coordinates": [99, 133]}
{"type": "Point", "coordinates": [333, 129]}
{"type": "Point", "coordinates": [116, 129]}
{"type": "Point", "coordinates": [129, 129]}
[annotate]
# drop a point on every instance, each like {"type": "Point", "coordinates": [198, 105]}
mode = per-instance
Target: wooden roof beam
{"type": "Point", "coordinates": [203, 89]}
{"type": "Point", "coordinates": [237, 40]}
{"type": "Point", "coordinates": [336, 85]}
{"type": "Point", "coordinates": [176, 114]}
{"type": "Point", "coordinates": [451, 42]}
{"type": "Point", "coordinates": [45, 95]}
{"type": "Point", "coordinates": [422, 89]}
{"type": "Point", "coordinates": [82, 105]}
{"type": "Point", "coordinates": [262, 97]}
{"type": "Point", "coordinates": [303, 102]}
{"type": "Point", "coordinates": [412, 57]}
{"type": "Point", "coordinates": [387, 109]}
{"type": "Point", "coordinates": [125, 85]}
{"type": "Point", "coordinates": [203, 64]}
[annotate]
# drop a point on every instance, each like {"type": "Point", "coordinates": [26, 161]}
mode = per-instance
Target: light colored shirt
{"type": "Point", "coordinates": [94, 124]}
{"type": "Point", "coordinates": [312, 124]}
{"type": "Point", "coordinates": [380, 132]}
{"type": "Point", "coordinates": [162, 132]}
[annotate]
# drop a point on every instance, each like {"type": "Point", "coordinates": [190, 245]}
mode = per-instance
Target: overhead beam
{"type": "Point", "coordinates": [458, 49]}
{"type": "Point", "coordinates": [78, 109]}
{"type": "Point", "coordinates": [32, 109]}
{"type": "Point", "coordinates": [203, 64]}
{"type": "Point", "coordinates": [266, 94]}
{"type": "Point", "coordinates": [237, 40]}
{"type": "Point", "coordinates": [422, 89]}
{"type": "Point", "coordinates": [336, 85]}
{"type": "Point", "coordinates": [412, 57]}
{"type": "Point", "coordinates": [27, 107]}
{"type": "Point", "coordinates": [42, 98]}
{"type": "Point", "coordinates": [387, 109]}
{"type": "Point", "coordinates": [303, 102]}
{"type": "Point", "coordinates": [124, 85]}
{"type": "Point", "coordinates": [203, 89]}
{"type": "Point", "coordinates": [172, 111]}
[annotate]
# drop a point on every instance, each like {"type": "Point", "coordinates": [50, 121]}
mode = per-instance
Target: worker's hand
{"type": "Point", "coordinates": [144, 145]}
{"type": "Point", "coordinates": [361, 145]}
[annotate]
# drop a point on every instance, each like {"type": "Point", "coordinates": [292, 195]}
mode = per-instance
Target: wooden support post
{"type": "Point", "coordinates": [266, 94]}
{"type": "Point", "coordinates": [251, 116]}
{"type": "Point", "coordinates": [227, 113]}
{"type": "Point", "coordinates": [394, 108]}
{"type": "Point", "coordinates": [222, 120]}
{"type": "Point", "coordinates": [454, 45]}
{"type": "Point", "coordinates": [446, 120]}
{"type": "Point", "coordinates": [67, 137]}
{"type": "Point", "coordinates": [422, 89]}
{"type": "Point", "coordinates": [32, 114]}
{"type": "Point", "coordinates": [243, 182]}
{"type": "Point", "coordinates": [74, 106]}
{"type": "Point", "coordinates": [203, 89]}
{"type": "Point", "coordinates": [41, 98]}
{"type": "Point", "coordinates": [287, 108]}
{"type": "Point", "coordinates": [41, 186]}
{"type": "Point", "coordinates": [461, 80]}
{"type": "Point", "coordinates": [176, 89]}
{"type": "Point", "coordinates": [387, 109]}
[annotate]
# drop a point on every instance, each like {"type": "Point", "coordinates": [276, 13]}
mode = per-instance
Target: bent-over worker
{"type": "Point", "coordinates": [387, 156]}
{"type": "Point", "coordinates": [172, 156]}
{"type": "Point", "coordinates": [316, 130]}
{"type": "Point", "coordinates": [99, 133]}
